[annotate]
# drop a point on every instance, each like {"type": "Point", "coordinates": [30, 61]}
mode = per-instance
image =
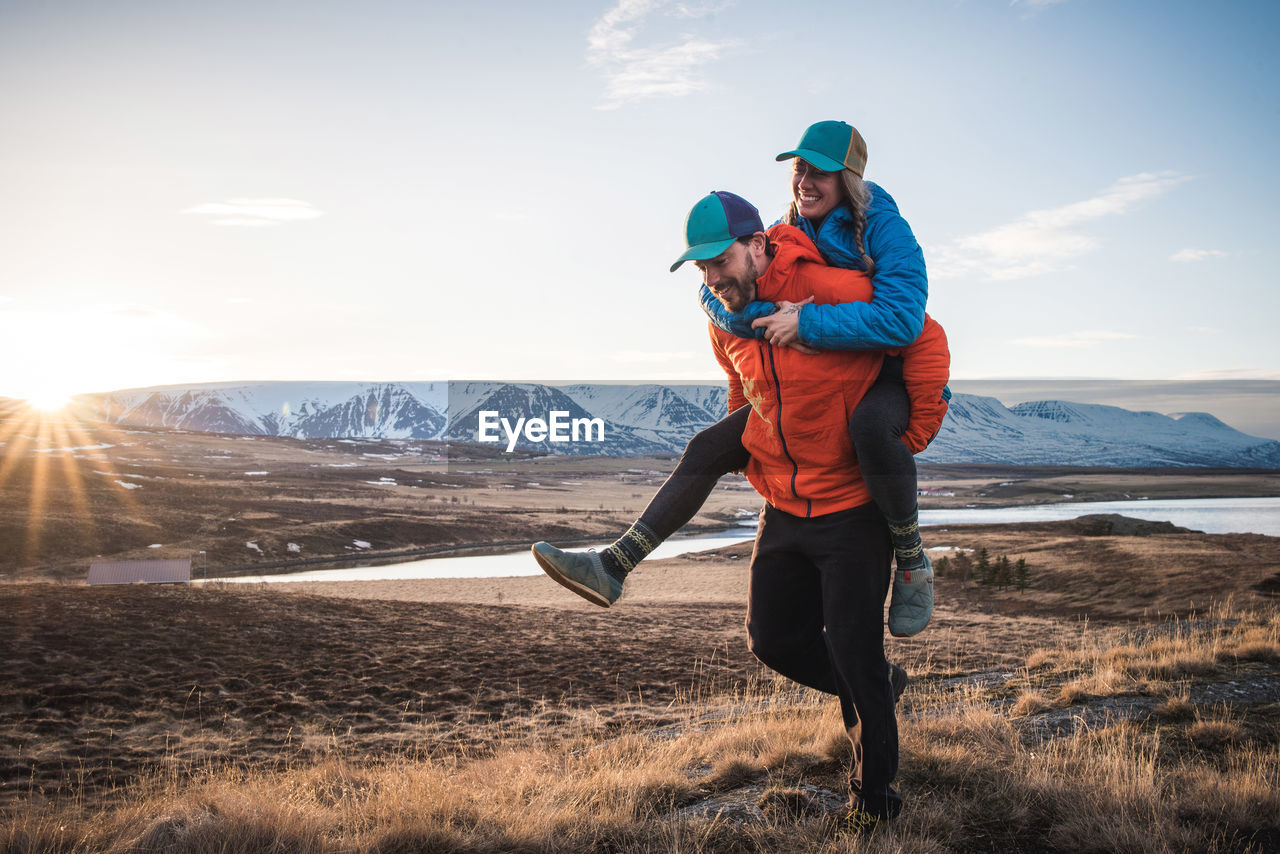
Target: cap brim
{"type": "Point", "coordinates": [822, 161]}
{"type": "Point", "coordinates": [703, 251]}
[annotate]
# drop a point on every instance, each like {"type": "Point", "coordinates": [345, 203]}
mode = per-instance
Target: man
{"type": "Point", "coordinates": [821, 566]}
{"type": "Point", "coordinates": [820, 571]}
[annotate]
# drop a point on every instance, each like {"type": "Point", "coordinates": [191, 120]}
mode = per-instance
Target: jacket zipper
{"type": "Point", "coordinates": [795, 469]}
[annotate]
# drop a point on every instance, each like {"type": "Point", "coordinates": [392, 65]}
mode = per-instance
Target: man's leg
{"type": "Point", "coordinates": [784, 604]}
{"type": "Point", "coordinates": [852, 552]}
{"type": "Point", "coordinates": [598, 577]}
{"type": "Point", "coordinates": [785, 619]}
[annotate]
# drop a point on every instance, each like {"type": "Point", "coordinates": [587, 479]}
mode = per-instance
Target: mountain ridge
{"type": "Point", "coordinates": [654, 418]}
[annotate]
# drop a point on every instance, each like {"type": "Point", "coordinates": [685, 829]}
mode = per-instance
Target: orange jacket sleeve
{"type": "Point", "coordinates": [926, 369]}
{"type": "Point", "coordinates": [736, 397]}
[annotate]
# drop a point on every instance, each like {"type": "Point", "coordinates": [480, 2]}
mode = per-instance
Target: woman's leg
{"type": "Point", "coordinates": [887, 465]}
{"type": "Point", "coordinates": [710, 455]}
{"type": "Point", "coordinates": [598, 576]}
{"type": "Point", "coordinates": [890, 473]}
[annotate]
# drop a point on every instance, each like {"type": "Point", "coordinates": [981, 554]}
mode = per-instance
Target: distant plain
{"type": "Point", "coordinates": [71, 493]}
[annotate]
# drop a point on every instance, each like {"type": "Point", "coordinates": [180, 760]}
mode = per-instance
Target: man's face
{"type": "Point", "coordinates": [731, 275]}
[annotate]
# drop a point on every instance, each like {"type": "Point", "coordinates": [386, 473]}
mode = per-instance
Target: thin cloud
{"type": "Point", "coordinates": [652, 356]}
{"type": "Point", "coordinates": [135, 312]}
{"type": "Point", "coordinates": [512, 214]}
{"type": "Point", "coordinates": [1045, 241]}
{"type": "Point", "coordinates": [255, 213]}
{"type": "Point", "coordinates": [1231, 374]}
{"type": "Point", "coordinates": [1188, 256]}
{"type": "Point", "coordinates": [633, 72]}
{"type": "Point", "coordinates": [1073, 340]}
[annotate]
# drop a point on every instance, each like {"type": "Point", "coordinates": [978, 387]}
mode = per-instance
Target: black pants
{"type": "Point", "coordinates": [815, 614]}
{"type": "Point", "coordinates": [888, 468]}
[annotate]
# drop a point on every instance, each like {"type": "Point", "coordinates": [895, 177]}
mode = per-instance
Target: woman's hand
{"type": "Point", "coordinates": [782, 328]}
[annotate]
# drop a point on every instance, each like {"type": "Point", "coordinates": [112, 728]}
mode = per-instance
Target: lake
{"type": "Point", "coordinates": [1211, 515]}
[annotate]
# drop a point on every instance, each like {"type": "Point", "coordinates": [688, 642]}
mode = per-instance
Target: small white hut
{"type": "Point", "coordinates": [140, 572]}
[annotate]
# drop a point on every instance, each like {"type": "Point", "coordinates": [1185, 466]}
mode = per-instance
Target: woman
{"type": "Point", "coordinates": [854, 225]}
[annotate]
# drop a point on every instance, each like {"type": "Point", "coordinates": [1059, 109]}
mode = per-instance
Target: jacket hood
{"type": "Point", "coordinates": [792, 246]}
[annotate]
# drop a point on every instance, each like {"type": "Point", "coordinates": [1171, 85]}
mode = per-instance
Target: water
{"type": "Point", "coordinates": [490, 566]}
{"type": "Point", "coordinates": [1211, 515]}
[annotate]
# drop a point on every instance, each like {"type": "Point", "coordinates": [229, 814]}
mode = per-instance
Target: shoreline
{"type": "Point", "coordinates": [512, 548]}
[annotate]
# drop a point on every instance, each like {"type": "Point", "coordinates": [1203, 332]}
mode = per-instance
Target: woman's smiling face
{"type": "Point", "coordinates": [816, 193]}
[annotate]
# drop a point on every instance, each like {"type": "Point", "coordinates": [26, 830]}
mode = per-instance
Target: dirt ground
{"type": "Point", "coordinates": [101, 687]}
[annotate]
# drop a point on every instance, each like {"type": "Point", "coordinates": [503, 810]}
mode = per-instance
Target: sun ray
{"type": "Point", "coordinates": [35, 500]}
{"type": "Point", "coordinates": [73, 478]}
{"type": "Point", "coordinates": [16, 443]}
{"type": "Point", "coordinates": [56, 493]}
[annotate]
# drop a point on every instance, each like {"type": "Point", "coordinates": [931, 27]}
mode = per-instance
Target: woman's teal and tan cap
{"type": "Point", "coordinates": [831, 146]}
{"type": "Point", "coordinates": [718, 219]}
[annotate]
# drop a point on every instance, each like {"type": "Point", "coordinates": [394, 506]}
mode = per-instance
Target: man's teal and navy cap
{"type": "Point", "coordinates": [831, 146]}
{"type": "Point", "coordinates": [718, 219]}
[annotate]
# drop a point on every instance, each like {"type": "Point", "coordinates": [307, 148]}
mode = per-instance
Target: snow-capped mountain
{"type": "Point", "coordinates": [300, 410]}
{"type": "Point", "coordinates": [655, 418]}
{"type": "Point", "coordinates": [1053, 432]}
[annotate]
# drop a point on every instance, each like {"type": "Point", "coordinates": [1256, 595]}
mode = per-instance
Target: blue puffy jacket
{"type": "Point", "coordinates": [895, 315]}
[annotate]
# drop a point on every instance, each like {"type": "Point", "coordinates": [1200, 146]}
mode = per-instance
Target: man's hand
{"type": "Point", "coordinates": [782, 328]}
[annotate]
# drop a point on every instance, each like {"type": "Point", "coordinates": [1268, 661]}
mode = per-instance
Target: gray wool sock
{"type": "Point", "coordinates": [907, 546]}
{"type": "Point", "coordinates": [629, 549]}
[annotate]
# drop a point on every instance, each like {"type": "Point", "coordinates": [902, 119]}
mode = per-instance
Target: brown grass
{"type": "Point", "coordinates": [563, 775]}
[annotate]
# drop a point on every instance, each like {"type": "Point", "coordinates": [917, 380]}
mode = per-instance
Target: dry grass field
{"type": "Point", "coordinates": [427, 716]}
{"type": "Point", "coordinates": [1127, 700]}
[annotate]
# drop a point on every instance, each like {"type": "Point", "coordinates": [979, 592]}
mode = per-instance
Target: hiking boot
{"type": "Point", "coordinates": [897, 681]}
{"type": "Point", "coordinates": [912, 603]}
{"type": "Point", "coordinates": [857, 822]}
{"type": "Point", "coordinates": [581, 572]}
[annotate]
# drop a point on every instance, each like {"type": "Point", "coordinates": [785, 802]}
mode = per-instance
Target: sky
{"type": "Point", "coordinates": [496, 190]}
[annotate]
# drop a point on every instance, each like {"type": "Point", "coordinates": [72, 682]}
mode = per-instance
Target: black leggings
{"type": "Point", "coordinates": [876, 426]}
{"type": "Point", "coordinates": [815, 615]}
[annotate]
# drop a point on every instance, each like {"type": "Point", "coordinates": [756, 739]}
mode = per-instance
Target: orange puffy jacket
{"type": "Point", "coordinates": [802, 459]}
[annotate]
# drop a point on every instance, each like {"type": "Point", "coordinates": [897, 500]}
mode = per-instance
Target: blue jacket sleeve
{"type": "Point", "coordinates": [735, 323]}
{"type": "Point", "coordinates": [895, 315]}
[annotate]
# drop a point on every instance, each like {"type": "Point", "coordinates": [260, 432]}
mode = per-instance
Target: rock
{"type": "Point", "coordinates": [1115, 525]}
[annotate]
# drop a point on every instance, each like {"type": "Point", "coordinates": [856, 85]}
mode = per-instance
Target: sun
{"type": "Point", "coordinates": [50, 389]}
{"type": "Point", "coordinates": [50, 401]}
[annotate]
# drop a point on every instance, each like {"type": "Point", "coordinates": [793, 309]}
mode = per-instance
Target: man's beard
{"type": "Point", "coordinates": [743, 286]}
